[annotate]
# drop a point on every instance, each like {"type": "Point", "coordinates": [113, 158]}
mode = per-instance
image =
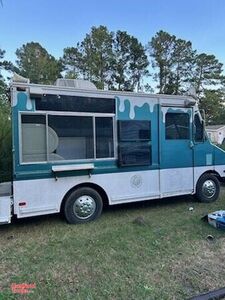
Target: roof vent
{"type": "Point", "coordinates": [18, 78]}
{"type": "Point", "coordinates": [76, 84]}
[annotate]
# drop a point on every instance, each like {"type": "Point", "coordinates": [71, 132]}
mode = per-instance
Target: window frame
{"type": "Point", "coordinates": [62, 113]}
{"type": "Point", "coordinates": [114, 136]}
{"type": "Point", "coordinates": [189, 127]}
{"type": "Point", "coordinates": [147, 142]}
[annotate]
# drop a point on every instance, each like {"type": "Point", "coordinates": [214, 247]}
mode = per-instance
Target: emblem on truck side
{"type": "Point", "coordinates": [136, 181]}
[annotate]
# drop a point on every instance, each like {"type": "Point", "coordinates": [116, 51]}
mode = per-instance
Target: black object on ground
{"type": "Point", "coordinates": [205, 218]}
{"type": "Point", "coordinates": [139, 221]}
{"type": "Point", "coordinates": [213, 295]}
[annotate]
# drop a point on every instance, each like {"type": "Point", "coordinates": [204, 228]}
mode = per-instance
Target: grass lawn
{"type": "Point", "coordinates": [167, 257]}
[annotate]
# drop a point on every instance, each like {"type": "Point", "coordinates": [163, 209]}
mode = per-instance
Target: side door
{"type": "Point", "coordinates": [176, 151]}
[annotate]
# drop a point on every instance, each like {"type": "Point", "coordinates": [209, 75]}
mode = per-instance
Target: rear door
{"type": "Point", "coordinates": [176, 151]}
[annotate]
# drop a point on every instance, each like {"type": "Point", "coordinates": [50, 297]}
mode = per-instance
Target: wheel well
{"type": "Point", "coordinates": [94, 186]}
{"type": "Point", "coordinates": [213, 173]}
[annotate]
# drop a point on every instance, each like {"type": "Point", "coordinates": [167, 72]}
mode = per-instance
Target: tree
{"type": "Point", "coordinates": [5, 125]}
{"type": "Point", "coordinates": [72, 62]}
{"type": "Point", "coordinates": [212, 102]}
{"type": "Point", "coordinates": [183, 58]}
{"type": "Point", "coordinates": [121, 48]}
{"type": "Point", "coordinates": [98, 54]}
{"type": "Point", "coordinates": [173, 58]}
{"type": "Point", "coordinates": [4, 65]}
{"type": "Point", "coordinates": [91, 59]}
{"type": "Point", "coordinates": [35, 63]}
{"type": "Point", "coordinates": [117, 61]}
{"type": "Point", "coordinates": [160, 49]}
{"type": "Point", "coordinates": [5, 142]}
{"type": "Point", "coordinates": [130, 63]}
{"type": "Point", "coordinates": [206, 72]}
{"type": "Point", "coordinates": [138, 63]}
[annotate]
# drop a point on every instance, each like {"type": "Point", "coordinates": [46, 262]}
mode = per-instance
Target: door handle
{"type": "Point", "coordinates": [191, 144]}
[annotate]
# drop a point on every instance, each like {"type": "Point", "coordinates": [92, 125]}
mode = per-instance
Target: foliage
{"type": "Point", "coordinates": [5, 125]}
{"type": "Point", "coordinates": [5, 142]}
{"type": "Point", "coordinates": [98, 55]}
{"type": "Point", "coordinates": [138, 64]}
{"type": "Point", "coordinates": [173, 58]}
{"type": "Point", "coordinates": [116, 61]}
{"type": "Point", "coordinates": [131, 62]}
{"type": "Point", "coordinates": [206, 72]}
{"type": "Point", "coordinates": [35, 63]}
{"type": "Point", "coordinates": [2, 89]}
{"type": "Point", "coordinates": [4, 64]}
{"type": "Point", "coordinates": [212, 102]}
{"type": "Point", "coordinates": [72, 62]}
{"type": "Point", "coordinates": [177, 67]}
{"type": "Point", "coordinates": [91, 59]}
{"type": "Point", "coordinates": [121, 45]}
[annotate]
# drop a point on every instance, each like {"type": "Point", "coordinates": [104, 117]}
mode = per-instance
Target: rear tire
{"type": "Point", "coordinates": [208, 188]}
{"type": "Point", "coordinates": [83, 205]}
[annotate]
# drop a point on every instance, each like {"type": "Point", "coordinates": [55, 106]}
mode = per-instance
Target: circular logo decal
{"type": "Point", "coordinates": [136, 181]}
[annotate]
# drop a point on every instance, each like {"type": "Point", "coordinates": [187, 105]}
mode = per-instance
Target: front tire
{"type": "Point", "coordinates": [83, 205]}
{"type": "Point", "coordinates": [208, 188]}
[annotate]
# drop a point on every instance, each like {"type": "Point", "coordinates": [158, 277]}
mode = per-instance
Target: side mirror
{"type": "Point", "coordinates": [194, 129]}
{"type": "Point", "coordinates": [199, 130]}
{"type": "Point", "coordinates": [203, 131]}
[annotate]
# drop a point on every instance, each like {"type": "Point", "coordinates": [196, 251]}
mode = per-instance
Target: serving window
{"type": "Point", "coordinates": [134, 143]}
{"type": "Point", "coordinates": [57, 137]}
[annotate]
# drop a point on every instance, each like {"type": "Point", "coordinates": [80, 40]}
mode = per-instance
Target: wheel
{"type": "Point", "coordinates": [208, 188]}
{"type": "Point", "coordinates": [83, 205]}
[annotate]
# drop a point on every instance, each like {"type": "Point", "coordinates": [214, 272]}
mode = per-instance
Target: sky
{"type": "Point", "coordinates": [59, 24]}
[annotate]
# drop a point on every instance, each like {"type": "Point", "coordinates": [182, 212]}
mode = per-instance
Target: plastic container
{"type": "Point", "coordinates": [217, 219]}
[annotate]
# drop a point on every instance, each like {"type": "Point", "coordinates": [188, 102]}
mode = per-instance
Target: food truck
{"type": "Point", "coordinates": [76, 148]}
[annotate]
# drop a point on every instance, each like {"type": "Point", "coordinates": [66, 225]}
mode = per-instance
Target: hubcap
{"type": "Point", "coordinates": [84, 207]}
{"type": "Point", "coordinates": [209, 188]}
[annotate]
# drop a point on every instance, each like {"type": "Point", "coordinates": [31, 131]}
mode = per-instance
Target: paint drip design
{"type": "Point", "coordinates": [134, 103]}
{"type": "Point", "coordinates": [24, 100]}
{"type": "Point", "coordinates": [29, 104]}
